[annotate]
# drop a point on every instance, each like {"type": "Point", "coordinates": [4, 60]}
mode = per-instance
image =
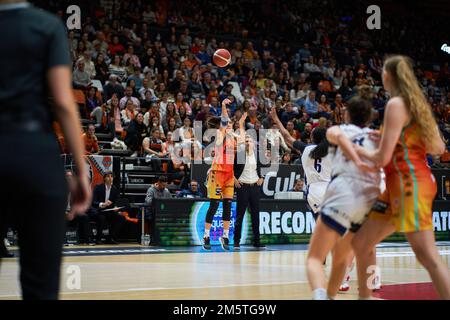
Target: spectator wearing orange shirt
{"type": "Point", "coordinates": [90, 140]}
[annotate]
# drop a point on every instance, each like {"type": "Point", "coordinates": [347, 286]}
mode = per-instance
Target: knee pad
{"type": "Point", "coordinates": [213, 205]}
{"type": "Point", "coordinates": [226, 215]}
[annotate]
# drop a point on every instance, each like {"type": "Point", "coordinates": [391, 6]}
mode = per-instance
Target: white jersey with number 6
{"type": "Point", "coordinates": [317, 176]}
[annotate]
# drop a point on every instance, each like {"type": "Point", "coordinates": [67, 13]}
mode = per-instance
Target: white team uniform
{"type": "Point", "coordinates": [318, 175]}
{"type": "Point", "coordinates": [351, 193]}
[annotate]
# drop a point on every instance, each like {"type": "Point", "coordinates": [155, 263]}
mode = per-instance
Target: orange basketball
{"type": "Point", "coordinates": [222, 58]}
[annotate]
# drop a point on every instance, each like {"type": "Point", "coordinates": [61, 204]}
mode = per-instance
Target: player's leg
{"type": "Point", "coordinates": [369, 235]}
{"type": "Point", "coordinates": [242, 200]}
{"type": "Point", "coordinates": [342, 254]}
{"type": "Point", "coordinates": [226, 217]}
{"type": "Point", "coordinates": [214, 196]}
{"type": "Point", "coordinates": [255, 199]}
{"type": "Point", "coordinates": [227, 196]}
{"type": "Point", "coordinates": [424, 246]}
{"type": "Point", "coordinates": [322, 241]}
{"type": "Point", "coordinates": [213, 205]}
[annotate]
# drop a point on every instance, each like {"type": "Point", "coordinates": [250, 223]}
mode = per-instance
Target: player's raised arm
{"type": "Point", "coordinates": [224, 119]}
{"type": "Point", "coordinates": [241, 137]}
{"type": "Point", "coordinates": [286, 135]}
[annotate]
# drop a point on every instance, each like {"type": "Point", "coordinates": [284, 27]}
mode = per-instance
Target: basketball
{"type": "Point", "coordinates": [222, 58]}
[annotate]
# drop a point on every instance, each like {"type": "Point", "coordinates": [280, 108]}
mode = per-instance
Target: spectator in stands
{"type": "Point", "coordinates": [115, 121]}
{"type": "Point", "coordinates": [311, 105]}
{"type": "Point", "coordinates": [286, 158]}
{"type": "Point", "coordinates": [298, 186]}
{"type": "Point", "coordinates": [154, 150]}
{"type": "Point", "coordinates": [113, 87]}
{"type": "Point", "coordinates": [129, 113]}
{"type": "Point", "coordinates": [192, 192]}
{"type": "Point", "coordinates": [101, 68]}
{"type": "Point", "coordinates": [137, 77]}
{"type": "Point", "coordinates": [306, 134]}
{"type": "Point", "coordinates": [136, 132]}
{"type": "Point", "coordinates": [131, 58]}
{"type": "Point", "coordinates": [324, 109]}
{"type": "Point", "coordinates": [81, 78]}
{"type": "Point", "coordinates": [288, 114]}
{"type": "Point", "coordinates": [338, 110]}
{"type": "Point", "coordinates": [116, 47]}
{"type": "Point", "coordinates": [129, 96]}
{"type": "Point", "coordinates": [90, 140]}
{"type": "Point", "coordinates": [89, 65]}
{"type": "Point", "coordinates": [93, 109]}
{"type": "Point", "coordinates": [157, 191]}
{"type": "Point", "coordinates": [103, 210]}
{"type": "Point", "coordinates": [118, 69]}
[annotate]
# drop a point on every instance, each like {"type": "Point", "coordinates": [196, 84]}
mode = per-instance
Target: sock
{"type": "Point", "coordinates": [206, 234]}
{"type": "Point", "coordinates": [225, 233]}
{"type": "Point", "coordinates": [320, 294]}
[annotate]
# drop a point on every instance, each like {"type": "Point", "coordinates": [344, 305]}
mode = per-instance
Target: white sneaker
{"type": "Point", "coordinates": [345, 286]}
{"type": "Point", "coordinates": [134, 155]}
{"type": "Point", "coordinates": [7, 244]}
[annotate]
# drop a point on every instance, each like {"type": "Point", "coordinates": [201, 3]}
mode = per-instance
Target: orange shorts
{"type": "Point", "coordinates": [220, 184]}
{"type": "Point", "coordinates": [407, 202]}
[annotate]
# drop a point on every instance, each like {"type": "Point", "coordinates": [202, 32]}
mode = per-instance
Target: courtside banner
{"type": "Point", "coordinates": [284, 179]}
{"type": "Point", "coordinates": [96, 166]}
{"type": "Point", "coordinates": [181, 222]}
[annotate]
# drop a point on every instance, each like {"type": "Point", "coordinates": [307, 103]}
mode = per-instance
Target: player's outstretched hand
{"type": "Point", "coordinates": [226, 102]}
{"type": "Point", "coordinates": [273, 114]}
{"type": "Point", "coordinates": [243, 118]}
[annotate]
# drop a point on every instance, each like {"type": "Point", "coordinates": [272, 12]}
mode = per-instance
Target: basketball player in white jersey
{"type": "Point", "coordinates": [316, 164]}
{"type": "Point", "coordinates": [315, 161]}
{"type": "Point", "coordinates": [353, 189]}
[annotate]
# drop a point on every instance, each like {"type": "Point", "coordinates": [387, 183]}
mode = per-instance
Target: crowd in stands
{"type": "Point", "coordinates": [146, 70]}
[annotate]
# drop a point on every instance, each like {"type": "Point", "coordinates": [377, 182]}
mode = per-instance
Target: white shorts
{"type": "Point", "coordinates": [347, 202]}
{"type": "Point", "coordinates": [316, 193]}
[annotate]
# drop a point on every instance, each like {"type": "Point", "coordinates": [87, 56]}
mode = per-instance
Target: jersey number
{"type": "Point", "coordinates": [359, 141]}
{"type": "Point", "coordinates": [318, 165]}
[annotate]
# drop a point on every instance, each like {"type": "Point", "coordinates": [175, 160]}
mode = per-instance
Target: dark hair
{"type": "Point", "coordinates": [319, 137]}
{"type": "Point", "coordinates": [360, 107]}
{"type": "Point", "coordinates": [162, 179]}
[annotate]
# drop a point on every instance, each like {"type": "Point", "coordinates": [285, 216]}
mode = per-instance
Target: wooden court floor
{"type": "Point", "coordinates": [274, 273]}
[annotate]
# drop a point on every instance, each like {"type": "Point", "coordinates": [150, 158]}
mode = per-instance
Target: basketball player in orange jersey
{"type": "Point", "coordinates": [410, 132]}
{"type": "Point", "coordinates": [220, 183]}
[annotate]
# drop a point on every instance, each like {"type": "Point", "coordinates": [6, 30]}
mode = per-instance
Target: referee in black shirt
{"type": "Point", "coordinates": [248, 181]}
{"type": "Point", "coordinates": [35, 63]}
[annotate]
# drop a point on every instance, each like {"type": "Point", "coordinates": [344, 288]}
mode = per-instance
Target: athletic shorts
{"type": "Point", "coordinates": [316, 192]}
{"type": "Point", "coordinates": [407, 202]}
{"type": "Point", "coordinates": [220, 184]}
{"type": "Point", "coordinates": [347, 203]}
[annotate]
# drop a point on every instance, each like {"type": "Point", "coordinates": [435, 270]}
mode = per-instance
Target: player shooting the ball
{"type": "Point", "coordinates": [220, 182]}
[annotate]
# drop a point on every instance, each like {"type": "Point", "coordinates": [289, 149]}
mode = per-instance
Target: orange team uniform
{"type": "Point", "coordinates": [221, 175]}
{"type": "Point", "coordinates": [410, 186]}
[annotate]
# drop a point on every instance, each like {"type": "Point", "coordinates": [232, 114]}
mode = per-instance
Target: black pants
{"type": "Point", "coordinates": [110, 219]}
{"type": "Point", "coordinates": [247, 196]}
{"type": "Point", "coordinates": [81, 223]}
{"type": "Point", "coordinates": [35, 192]}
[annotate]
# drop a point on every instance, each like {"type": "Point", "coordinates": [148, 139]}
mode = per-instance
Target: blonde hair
{"type": "Point", "coordinates": [406, 86]}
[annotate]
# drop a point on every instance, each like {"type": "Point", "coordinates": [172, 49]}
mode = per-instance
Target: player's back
{"type": "Point", "coordinates": [316, 170]}
{"type": "Point", "coordinates": [345, 167]}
